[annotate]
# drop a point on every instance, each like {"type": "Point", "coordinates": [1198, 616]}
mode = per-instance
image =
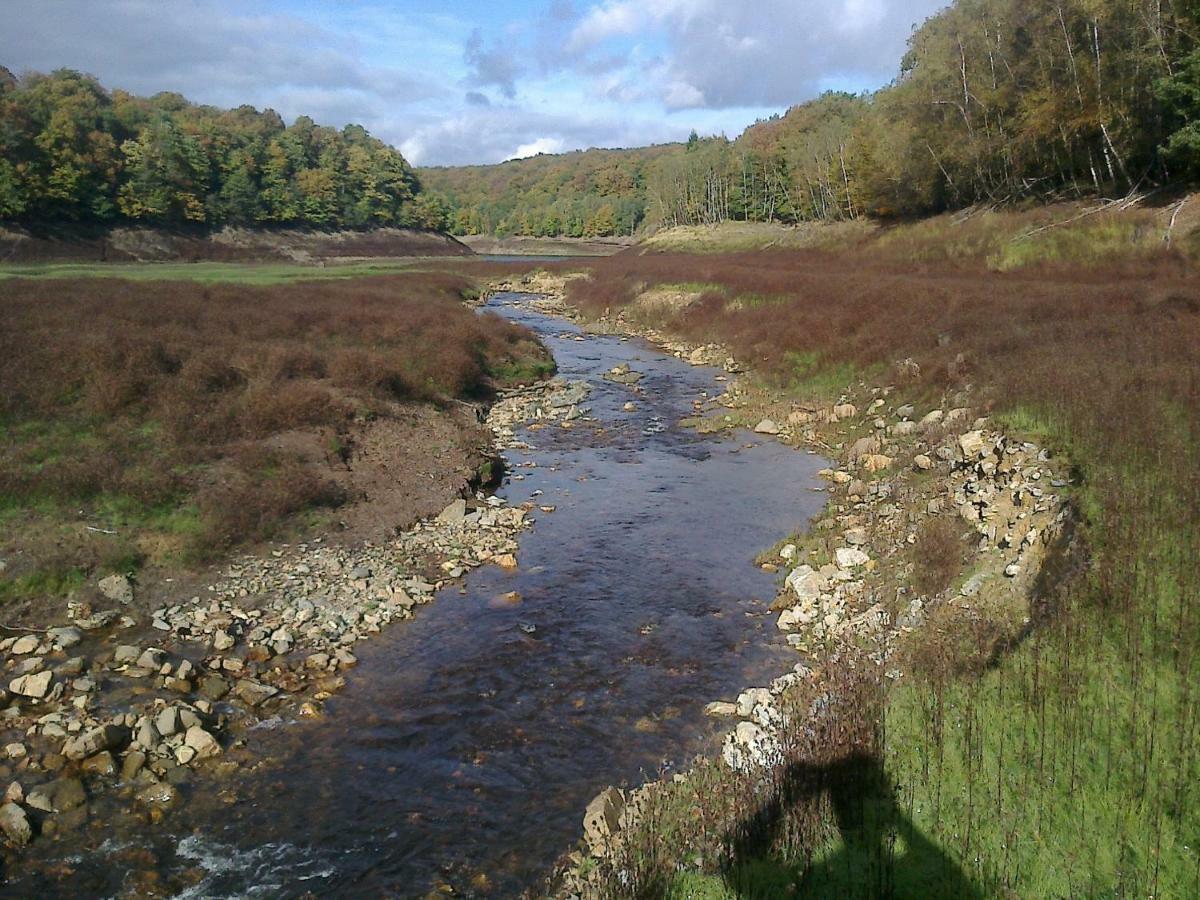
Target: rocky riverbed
{"type": "Point", "coordinates": [105, 702]}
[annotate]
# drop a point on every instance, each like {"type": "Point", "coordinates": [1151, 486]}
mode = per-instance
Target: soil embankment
{"type": "Point", "coordinates": [230, 244]}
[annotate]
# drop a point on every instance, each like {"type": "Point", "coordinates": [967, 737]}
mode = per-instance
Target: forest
{"type": "Point", "coordinates": [72, 151]}
{"type": "Point", "coordinates": [997, 101]}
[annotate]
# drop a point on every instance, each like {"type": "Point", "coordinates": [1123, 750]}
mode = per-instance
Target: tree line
{"type": "Point", "coordinates": [72, 151]}
{"type": "Point", "coordinates": [996, 101]}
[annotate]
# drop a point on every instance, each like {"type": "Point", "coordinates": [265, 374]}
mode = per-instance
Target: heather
{"type": "Point", "coordinates": [179, 419]}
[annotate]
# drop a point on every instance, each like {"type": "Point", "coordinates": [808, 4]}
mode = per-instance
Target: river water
{"type": "Point", "coordinates": [464, 748]}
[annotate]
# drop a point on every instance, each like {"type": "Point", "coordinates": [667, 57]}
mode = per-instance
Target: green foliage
{"type": "Point", "coordinates": [998, 100]}
{"type": "Point", "coordinates": [70, 150]}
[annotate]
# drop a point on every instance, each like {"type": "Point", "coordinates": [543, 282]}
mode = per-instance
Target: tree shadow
{"type": "Point", "coordinates": [882, 853]}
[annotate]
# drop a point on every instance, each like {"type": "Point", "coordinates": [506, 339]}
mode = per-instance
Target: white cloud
{"type": "Point", "coordinates": [541, 145]}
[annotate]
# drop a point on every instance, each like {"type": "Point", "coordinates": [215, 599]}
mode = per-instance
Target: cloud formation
{"type": "Point", "coordinates": [459, 83]}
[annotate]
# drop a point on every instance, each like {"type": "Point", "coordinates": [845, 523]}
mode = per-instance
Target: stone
{"type": "Point", "coordinates": [14, 794]}
{"type": "Point", "coordinates": [1013, 570]}
{"type": "Point", "coordinates": [214, 687]}
{"type": "Point", "coordinates": [454, 513]}
{"type": "Point", "coordinates": [845, 411]}
{"type": "Point", "coordinates": [855, 537]}
{"type": "Point", "coordinates": [223, 640]}
{"type": "Point", "coordinates": [751, 698]}
{"type": "Point", "coordinates": [850, 558]}
{"type": "Point", "coordinates": [922, 463]}
{"type": "Point", "coordinates": [58, 796]}
{"type": "Point", "coordinates": [721, 709]}
{"type": "Point", "coordinates": [602, 819]}
{"type": "Point", "coordinates": [970, 445]}
{"type": "Point", "coordinates": [167, 722]}
{"type": "Point", "coordinates": [788, 552]}
{"type": "Point", "coordinates": [125, 654]}
{"type": "Point", "coordinates": [132, 764]}
{"type": "Point", "coordinates": [97, 740]}
{"type": "Point", "coordinates": [252, 693]}
{"type": "Point", "coordinates": [203, 743]}
{"type": "Point", "coordinates": [35, 686]}
{"type": "Point", "coordinates": [904, 429]}
{"type": "Point", "coordinates": [876, 462]}
{"type": "Point", "coordinates": [805, 583]}
{"type": "Point", "coordinates": [158, 794]}
{"type": "Point", "coordinates": [15, 824]}
{"type": "Point", "coordinates": [102, 764]}
{"type": "Point", "coordinates": [65, 638]}
{"type": "Point", "coordinates": [23, 645]}
{"type": "Point", "coordinates": [152, 658]}
{"type": "Point", "coordinates": [117, 588]}
{"type": "Point", "coordinates": [766, 426]}
{"type": "Point", "coordinates": [15, 750]}
{"type": "Point", "coordinates": [505, 561]}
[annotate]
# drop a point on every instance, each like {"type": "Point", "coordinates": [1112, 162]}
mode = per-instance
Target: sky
{"type": "Point", "coordinates": [455, 83]}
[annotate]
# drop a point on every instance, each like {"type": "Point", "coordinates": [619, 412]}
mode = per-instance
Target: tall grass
{"type": "Point", "coordinates": [1069, 767]}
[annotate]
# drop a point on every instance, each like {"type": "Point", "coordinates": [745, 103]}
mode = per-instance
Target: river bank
{"type": "Point", "coordinates": [588, 662]}
{"type": "Point", "coordinates": [121, 705]}
{"type": "Point", "coordinates": [887, 571]}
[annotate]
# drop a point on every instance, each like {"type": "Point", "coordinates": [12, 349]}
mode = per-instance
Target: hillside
{"type": "Point", "coordinates": [997, 102]}
{"type": "Point", "coordinates": [72, 151]}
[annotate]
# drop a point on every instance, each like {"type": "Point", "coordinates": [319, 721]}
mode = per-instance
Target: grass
{"type": "Point", "coordinates": [194, 417]}
{"type": "Point", "coordinates": [1068, 767]}
{"type": "Point", "coordinates": [207, 272]}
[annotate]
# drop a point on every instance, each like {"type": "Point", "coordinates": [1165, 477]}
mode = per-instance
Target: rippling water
{"type": "Point", "coordinates": [464, 747]}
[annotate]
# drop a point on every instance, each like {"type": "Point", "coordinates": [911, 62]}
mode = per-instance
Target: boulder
{"type": "Point", "coordinates": [35, 686]}
{"type": "Point", "coordinates": [454, 513]}
{"type": "Point", "coordinates": [65, 638]}
{"type": "Point", "coordinates": [58, 796]}
{"type": "Point", "coordinates": [805, 583]}
{"type": "Point", "coordinates": [203, 743]}
{"type": "Point", "coordinates": [252, 693]}
{"type": "Point", "coordinates": [766, 426]}
{"type": "Point", "coordinates": [117, 588]}
{"type": "Point", "coordinates": [970, 445]}
{"type": "Point", "coordinates": [97, 740]}
{"type": "Point", "coordinates": [15, 824]}
{"type": "Point", "coordinates": [850, 558]}
{"type": "Point", "coordinates": [23, 645]}
{"type": "Point", "coordinates": [602, 819]}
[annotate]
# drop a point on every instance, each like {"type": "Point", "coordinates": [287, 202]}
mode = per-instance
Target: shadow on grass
{"type": "Point", "coordinates": [877, 853]}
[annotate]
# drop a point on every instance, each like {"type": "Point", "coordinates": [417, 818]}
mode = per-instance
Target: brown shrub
{"type": "Point", "coordinates": [134, 390]}
{"type": "Point", "coordinates": [938, 555]}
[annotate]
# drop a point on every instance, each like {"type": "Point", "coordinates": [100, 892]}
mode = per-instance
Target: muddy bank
{"type": "Point", "coordinates": [230, 244]}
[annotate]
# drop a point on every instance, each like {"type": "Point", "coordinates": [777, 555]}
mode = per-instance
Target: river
{"type": "Point", "coordinates": [468, 741]}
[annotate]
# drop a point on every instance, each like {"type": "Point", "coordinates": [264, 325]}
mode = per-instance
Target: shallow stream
{"type": "Point", "coordinates": [468, 741]}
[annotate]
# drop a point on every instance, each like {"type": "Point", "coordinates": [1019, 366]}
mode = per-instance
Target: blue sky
{"type": "Point", "coordinates": [476, 82]}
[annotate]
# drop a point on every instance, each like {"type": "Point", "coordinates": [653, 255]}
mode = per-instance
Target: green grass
{"type": "Point", "coordinates": [206, 272]}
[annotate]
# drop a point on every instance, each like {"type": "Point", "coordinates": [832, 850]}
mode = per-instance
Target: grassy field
{"type": "Point", "coordinates": [179, 419]}
{"type": "Point", "coordinates": [209, 272]}
{"type": "Point", "coordinates": [1069, 767]}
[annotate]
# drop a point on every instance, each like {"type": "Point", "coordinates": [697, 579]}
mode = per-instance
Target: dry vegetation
{"type": "Point", "coordinates": [1093, 718]}
{"type": "Point", "coordinates": [174, 408]}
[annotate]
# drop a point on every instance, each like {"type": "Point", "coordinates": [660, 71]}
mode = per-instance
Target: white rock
{"type": "Point", "coordinates": [202, 742]}
{"type": "Point", "coordinates": [117, 587]}
{"type": "Point", "coordinates": [850, 558]}
{"type": "Point", "coordinates": [35, 686]}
